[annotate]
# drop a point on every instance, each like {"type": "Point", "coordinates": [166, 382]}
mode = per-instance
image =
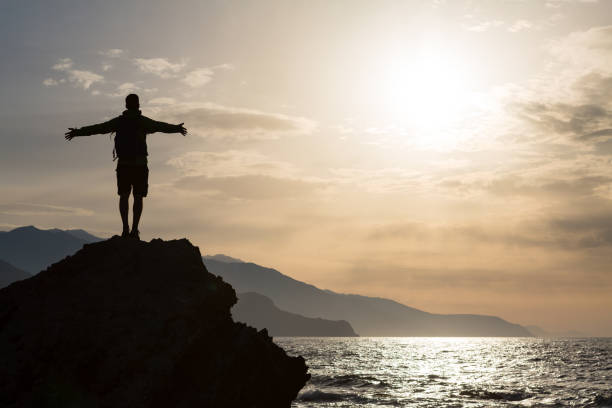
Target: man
{"type": "Point", "coordinates": [131, 129]}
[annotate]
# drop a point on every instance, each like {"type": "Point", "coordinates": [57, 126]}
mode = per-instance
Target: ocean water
{"type": "Point", "coordinates": [454, 372]}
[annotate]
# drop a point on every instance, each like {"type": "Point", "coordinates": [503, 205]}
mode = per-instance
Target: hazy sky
{"type": "Point", "coordinates": [455, 156]}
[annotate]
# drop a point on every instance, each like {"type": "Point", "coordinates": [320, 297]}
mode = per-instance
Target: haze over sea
{"type": "Point", "coordinates": [454, 372]}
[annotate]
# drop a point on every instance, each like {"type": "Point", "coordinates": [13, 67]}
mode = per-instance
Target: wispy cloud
{"type": "Point", "coordinates": [559, 3]}
{"type": "Point", "coordinates": [198, 77]}
{"type": "Point", "coordinates": [50, 82]}
{"type": "Point", "coordinates": [520, 25]}
{"type": "Point", "coordinates": [231, 163]}
{"type": "Point", "coordinates": [241, 174]}
{"type": "Point", "coordinates": [64, 64]}
{"type": "Point", "coordinates": [483, 26]}
{"type": "Point", "coordinates": [80, 78]}
{"type": "Point", "coordinates": [161, 67]}
{"type": "Point", "coordinates": [31, 209]}
{"type": "Point", "coordinates": [112, 53]}
{"type": "Point", "coordinates": [590, 49]}
{"type": "Point", "coordinates": [212, 120]}
{"type": "Point", "coordinates": [84, 79]}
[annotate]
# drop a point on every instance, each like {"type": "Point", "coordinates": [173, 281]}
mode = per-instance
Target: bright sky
{"type": "Point", "coordinates": [452, 155]}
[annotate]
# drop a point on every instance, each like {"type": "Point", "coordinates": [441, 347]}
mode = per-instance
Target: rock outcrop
{"type": "Point", "coordinates": [260, 312]}
{"type": "Point", "coordinates": [125, 323]}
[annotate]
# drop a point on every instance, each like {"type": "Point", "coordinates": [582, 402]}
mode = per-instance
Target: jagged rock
{"type": "Point", "coordinates": [125, 323]}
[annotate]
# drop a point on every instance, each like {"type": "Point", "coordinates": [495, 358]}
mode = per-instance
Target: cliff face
{"type": "Point", "coordinates": [259, 311]}
{"type": "Point", "coordinates": [130, 323]}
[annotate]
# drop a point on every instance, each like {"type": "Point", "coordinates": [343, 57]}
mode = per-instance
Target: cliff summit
{"type": "Point", "coordinates": [130, 323]}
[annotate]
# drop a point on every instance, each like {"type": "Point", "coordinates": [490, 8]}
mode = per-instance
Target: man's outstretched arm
{"type": "Point", "coordinates": [100, 128]}
{"type": "Point", "coordinates": [157, 126]}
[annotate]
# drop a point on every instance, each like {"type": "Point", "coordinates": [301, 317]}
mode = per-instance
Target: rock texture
{"type": "Point", "coordinates": [125, 323]}
{"type": "Point", "coordinates": [259, 311]}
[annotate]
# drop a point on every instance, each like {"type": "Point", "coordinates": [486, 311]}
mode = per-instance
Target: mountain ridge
{"type": "Point", "coordinates": [10, 274]}
{"type": "Point", "coordinates": [369, 316]}
{"type": "Point", "coordinates": [376, 316]}
{"type": "Point", "coordinates": [260, 312]}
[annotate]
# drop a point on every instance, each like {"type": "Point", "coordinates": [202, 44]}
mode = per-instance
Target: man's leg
{"type": "Point", "coordinates": [137, 212]}
{"type": "Point", "coordinates": [123, 210]}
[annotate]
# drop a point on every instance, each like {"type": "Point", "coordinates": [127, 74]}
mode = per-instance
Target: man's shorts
{"type": "Point", "coordinates": [133, 177]}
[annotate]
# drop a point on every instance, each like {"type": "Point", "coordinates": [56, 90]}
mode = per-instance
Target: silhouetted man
{"type": "Point", "coordinates": [131, 129]}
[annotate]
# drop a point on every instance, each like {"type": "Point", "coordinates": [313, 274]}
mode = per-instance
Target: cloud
{"type": "Point", "coordinates": [241, 174]}
{"type": "Point", "coordinates": [159, 66]}
{"type": "Point", "coordinates": [382, 180]}
{"type": "Point", "coordinates": [569, 102]}
{"type": "Point", "coordinates": [84, 79]}
{"type": "Point", "coordinates": [250, 187]}
{"type": "Point", "coordinates": [231, 163]}
{"type": "Point", "coordinates": [162, 101]}
{"type": "Point", "coordinates": [558, 3]}
{"type": "Point", "coordinates": [64, 64]}
{"type": "Point", "coordinates": [31, 209]}
{"type": "Point", "coordinates": [80, 78]}
{"type": "Point", "coordinates": [128, 87]}
{"type": "Point", "coordinates": [112, 53]}
{"type": "Point", "coordinates": [567, 232]}
{"type": "Point", "coordinates": [201, 76]}
{"type": "Point", "coordinates": [208, 119]}
{"type": "Point", "coordinates": [483, 26]}
{"type": "Point", "coordinates": [124, 89]}
{"type": "Point", "coordinates": [198, 77]}
{"type": "Point", "coordinates": [579, 121]}
{"type": "Point", "coordinates": [50, 82]}
{"type": "Point", "coordinates": [520, 25]}
{"type": "Point", "coordinates": [590, 49]}
{"type": "Point", "coordinates": [226, 66]}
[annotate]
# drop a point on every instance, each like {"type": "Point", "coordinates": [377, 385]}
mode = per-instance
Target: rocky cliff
{"type": "Point", "coordinates": [136, 324]}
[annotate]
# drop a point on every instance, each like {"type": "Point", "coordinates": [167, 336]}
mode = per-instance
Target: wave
{"type": "Point", "coordinates": [315, 395]}
{"type": "Point", "coordinates": [349, 380]}
{"type": "Point", "coordinates": [500, 395]}
{"type": "Point", "coordinates": [318, 396]}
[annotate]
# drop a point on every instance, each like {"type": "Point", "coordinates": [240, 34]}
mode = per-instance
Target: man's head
{"type": "Point", "coordinates": [132, 102]}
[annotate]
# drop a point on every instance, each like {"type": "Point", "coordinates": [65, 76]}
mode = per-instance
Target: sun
{"type": "Point", "coordinates": [427, 92]}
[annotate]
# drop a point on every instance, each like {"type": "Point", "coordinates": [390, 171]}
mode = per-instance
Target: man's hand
{"type": "Point", "coordinates": [182, 129]}
{"type": "Point", "coordinates": [70, 134]}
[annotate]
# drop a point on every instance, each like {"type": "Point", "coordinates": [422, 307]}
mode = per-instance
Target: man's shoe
{"type": "Point", "coordinates": [135, 234]}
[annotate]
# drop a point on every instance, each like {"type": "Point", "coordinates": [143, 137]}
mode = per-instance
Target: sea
{"type": "Point", "coordinates": [454, 372]}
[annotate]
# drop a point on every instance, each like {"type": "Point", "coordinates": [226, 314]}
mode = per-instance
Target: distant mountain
{"type": "Point", "coordinates": [222, 258]}
{"type": "Point", "coordinates": [369, 316]}
{"type": "Point", "coordinates": [81, 234]}
{"type": "Point", "coordinates": [260, 312]}
{"type": "Point", "coordinates": [32, 249]}
{"type": "Point", "coordinates": [540, 332]}
{"type": "Point", "coordinates": [10, 274]}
